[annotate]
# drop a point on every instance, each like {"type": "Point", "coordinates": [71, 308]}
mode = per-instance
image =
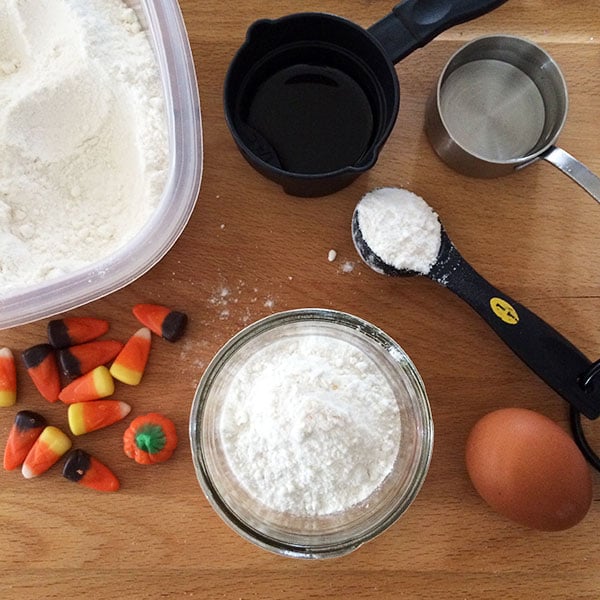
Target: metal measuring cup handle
{"type": "Point", "coordinates": [574, 169]}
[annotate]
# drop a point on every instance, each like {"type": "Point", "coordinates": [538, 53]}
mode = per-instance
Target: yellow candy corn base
{"type": "Point", "coordinates": [125, 375]}
{"type": "Point", "coordinates": [7, 398]}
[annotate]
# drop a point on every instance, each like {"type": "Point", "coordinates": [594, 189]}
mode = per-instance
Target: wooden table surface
{"type": "Point", "coordinates": [249, 251]}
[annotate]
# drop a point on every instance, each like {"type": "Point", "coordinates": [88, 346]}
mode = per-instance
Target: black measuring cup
{"type": "Point", "coordinates": [310, 98]}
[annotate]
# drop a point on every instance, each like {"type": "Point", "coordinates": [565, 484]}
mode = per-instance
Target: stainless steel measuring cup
{"type": "Point", "coordinates": [500, 104]}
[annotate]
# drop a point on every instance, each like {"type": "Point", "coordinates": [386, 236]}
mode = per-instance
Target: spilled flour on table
{"type": "Point", "coordinates": [225, 297]}
{"type": "Point", "coordinates": [347, 266]}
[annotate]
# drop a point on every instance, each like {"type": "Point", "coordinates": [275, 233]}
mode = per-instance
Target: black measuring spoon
{"type": "Point", "coordinates": [552, 357]}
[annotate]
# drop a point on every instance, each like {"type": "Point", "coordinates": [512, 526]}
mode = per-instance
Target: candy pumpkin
{"type": "Point", "coordinates": [150, 439]}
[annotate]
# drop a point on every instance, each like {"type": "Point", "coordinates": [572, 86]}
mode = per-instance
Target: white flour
{"type": "Point", "coordinates": [83, 139]}
{"type": "Point", "coordinates": [310, 425]}
{"type": "Point", "coordinates": [401, 228]}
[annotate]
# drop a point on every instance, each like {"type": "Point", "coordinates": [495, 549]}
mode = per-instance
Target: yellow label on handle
{"type": "Point", "coordinates": [504, 310]}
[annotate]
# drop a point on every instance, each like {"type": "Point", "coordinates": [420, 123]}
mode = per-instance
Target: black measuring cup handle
{"type": "Point", "coordinates": [414, 23]}
{"type": "Point", "coordinates": [545, 351]}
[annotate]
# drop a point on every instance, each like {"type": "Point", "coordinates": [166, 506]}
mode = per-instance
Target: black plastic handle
{"type": "Point", "coordinates": [545, 351]}
{"type": "Point", "coordinates": [414, 23]}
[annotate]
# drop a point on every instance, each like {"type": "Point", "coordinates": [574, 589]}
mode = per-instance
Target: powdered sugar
{"type": "Point", "coordinates": [310, 425]}
{"type": "Point", "coordinates": [83, 139]}
{"type": "Point", "coordinates": [347, 266]}
{"type": "Point", "coordinates": [400, 228]}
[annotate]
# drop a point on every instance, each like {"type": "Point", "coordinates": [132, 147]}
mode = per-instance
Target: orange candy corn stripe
{"type": "Point", "coordinates": [8, 378]}
{"type": "Point", "coordinates": [86, 470]}
{"type": "Point", "coordinates": [75, 330]}
{"type": "Point", "coordinates": [76, 361]}
{"type": "Point", "coordinates": [84, 417]}
{"type": "Point", "coordinates": [128, 367]}
{"type": "Point", "coordinates": [45, 452]}
{"type": "Point", "coordinates": [42, 367]}
{"type": "Point", "coordinates": [161, 320]}
{"type": "Point", "coordinates": [25, 430]}
{"type": "Point", "coordinates": [91, 386]}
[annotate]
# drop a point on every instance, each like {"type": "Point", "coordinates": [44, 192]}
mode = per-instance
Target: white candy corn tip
{"type": "Point", "coordinates": [27, 472]}
{"type": "Point", "coordinates": [6, 353]}
{"type": "Point", "coordinates": [124, 408]}
{"type": "Point", "coordinates": [144, 332]}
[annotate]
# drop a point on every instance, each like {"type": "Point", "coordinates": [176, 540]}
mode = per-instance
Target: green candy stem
{"type": "Point", "coordinates": [150, 438]}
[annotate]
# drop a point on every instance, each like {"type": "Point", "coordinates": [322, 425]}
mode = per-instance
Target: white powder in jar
{"type": "Point", "coordinates": [400, 228]}
{"type": "Point", "coordinates": [83, 135]}
{"type": "Point", "coordinates": [310, 425]}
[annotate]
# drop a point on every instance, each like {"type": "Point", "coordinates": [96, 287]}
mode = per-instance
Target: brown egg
{"type": "Point", "coordinates": [529, 469]}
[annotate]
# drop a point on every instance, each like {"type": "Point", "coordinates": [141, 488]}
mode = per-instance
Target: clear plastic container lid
{"type": "Point", "coordinates": [168, 37]}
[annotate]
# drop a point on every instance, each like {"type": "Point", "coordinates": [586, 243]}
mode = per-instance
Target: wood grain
{"type": "Point", "coordinates": [248, 251]}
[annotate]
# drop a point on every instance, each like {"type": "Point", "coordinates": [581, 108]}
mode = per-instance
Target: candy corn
{"type": "Point", "coordinates": [91, 386]}
{"type": "Point", "coordinates": [75, 330]}
{"type": "Point", "coordinates": [8, 378]}
{"type": "Point", "coordinates": [128, 367]}
{"type": "Point", "coordinates": [26, 428]}
{"type": "Point", "coordinates": [42, 367]}
{"type": "Point", "coordinates": [76, 361]}
{"type": "Point", "coordinates": [46, 450]}
{"type": "Point", "coordinates": [170, 324]}
{"type": "Point", "coordinates": [84, 417]}
{"type": "Point", "coordinates": [86, 470]}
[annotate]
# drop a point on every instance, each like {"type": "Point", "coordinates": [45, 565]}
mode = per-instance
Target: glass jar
{"type": "Point", "coordinates": [311, 535]}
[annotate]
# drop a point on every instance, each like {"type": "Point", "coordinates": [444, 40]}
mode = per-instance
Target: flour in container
{"type": "Point", "coordinates": [83, 135]}
{"type": "Point", "coordinates": [400, 228]}
{"type": "Point", "coordinates": [310, 425]}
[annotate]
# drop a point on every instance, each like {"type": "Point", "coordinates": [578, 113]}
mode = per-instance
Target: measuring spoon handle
{"type": "Point", "coordinates": [551, 356]}
{"type": "Point", "coordinates": [414, 23]}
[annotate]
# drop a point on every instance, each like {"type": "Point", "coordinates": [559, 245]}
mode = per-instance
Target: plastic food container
{"type": "Point", "coordinates": [168, 37]}
{"type": "Point", "coordinates": [321, 534]}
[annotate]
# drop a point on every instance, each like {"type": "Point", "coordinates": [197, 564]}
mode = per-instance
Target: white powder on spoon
{"type": "Point", "coordinates": [310, 425]}
{"type": "Point", "coordinates": [83, 137]}
{"type": "Point", "coordinates": [400, 228]}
